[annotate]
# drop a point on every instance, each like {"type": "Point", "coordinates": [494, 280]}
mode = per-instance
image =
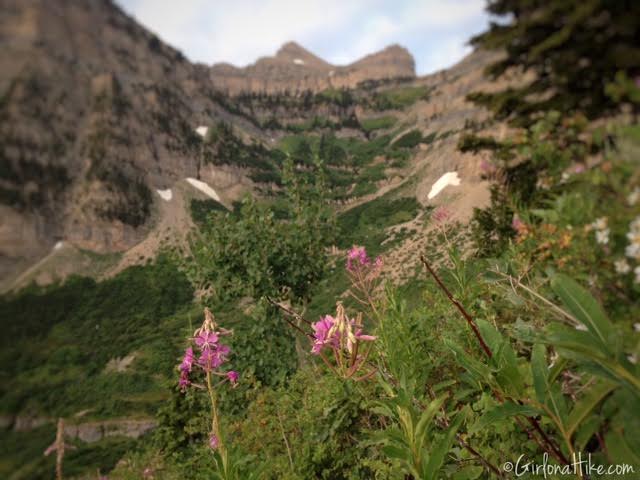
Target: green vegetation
{"type": "Point", "coordinates": [378, 123]}
{"type": "Point", "coordinates": [54, 358]}
{"type": "Point", "coordinates": [409, 139]}
{"type": "Point", "coordinates": [202, 209]}
{"type": "Point", "coordinates": [575, 49]}
{"type": "Point", "coordinates": [399, 98]}
{"type": "Point", "coordinates": [517, 335]}
{"type": "Point", "coordinates": [366, 223]}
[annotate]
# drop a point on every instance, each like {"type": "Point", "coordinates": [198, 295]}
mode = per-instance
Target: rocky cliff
{"type": "Point", "coordinates": [294, 69]}
{"type": "Point", "coordinates": [96, 113]}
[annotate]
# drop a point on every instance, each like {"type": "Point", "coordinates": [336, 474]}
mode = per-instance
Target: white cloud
{"type": "Point", "coordinates": [340, 31]}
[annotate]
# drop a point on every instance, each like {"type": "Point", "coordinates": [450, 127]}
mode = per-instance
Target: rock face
{"type": "Point", "coordinates": [88, 432]}
{"type": "Point", "coordinates": [96, 114]}
{"type": "Point", "coordinates": [95, 431]}
{"type": "Point", "coordinates": [294, 69]}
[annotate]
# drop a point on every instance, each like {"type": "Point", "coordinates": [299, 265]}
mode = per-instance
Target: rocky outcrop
{"type": "Point", "coordinates": [88, 432]}
{"type": "Point", "coordinates": [294, 69]}
{"type": "Point", "coordinates": [95, 431]}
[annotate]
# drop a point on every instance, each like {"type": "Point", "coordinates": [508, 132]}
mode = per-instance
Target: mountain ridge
{"type": "Point", "coordinates": [295, 69]}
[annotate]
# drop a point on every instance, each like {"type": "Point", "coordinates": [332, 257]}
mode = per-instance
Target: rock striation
{"type": "Point", "coordinates": [295, 70]}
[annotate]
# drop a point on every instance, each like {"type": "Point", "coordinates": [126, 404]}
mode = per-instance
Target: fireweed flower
{"type": "Point", "coordinates": [321, 331]}
{"type": "Point", "coordinates": [357, 257]}
{"type": "Point", "coordinates": [364, 274]}
{"type": "Point", "coordinates": [212, 355]}
{"type": "Point", "coordinates": [341, 336]}
{"type": "Point", "coordinates": [441, 214]}
{"type": "Point", "coordinates": [232, 376]}
{"type": "Point", "coordinates": [206, 339]}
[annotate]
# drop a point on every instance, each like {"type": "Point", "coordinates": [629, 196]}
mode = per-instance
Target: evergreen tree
{"type": "Point", "coordinates": [574, 47]}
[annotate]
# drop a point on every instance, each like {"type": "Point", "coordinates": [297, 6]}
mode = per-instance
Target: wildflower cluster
{"type": "Point", "coordinates": [212, 355]}
{"type": "Point", "coordinates": [632, 251]}
{"type": "Point", "coordinates": [342, 336]}
{"type": "Point", "coordinates": [602, 231]}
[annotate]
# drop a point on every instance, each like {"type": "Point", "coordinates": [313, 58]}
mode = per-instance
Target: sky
{"type": "Point", "coordinates": [239, 32]}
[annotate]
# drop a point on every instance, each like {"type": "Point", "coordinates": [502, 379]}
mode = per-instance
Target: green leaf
{"type": "Point", "coordinates": [595, 394]}
{"type": "Point", "coordinates": [393, 451]}
{"type": "Point", "coordinates": [581, 304]}
{"type": "Point", "coordinates": [506, 410]}
{"type": "Point", "coordinates": [468, 473]}
{"type": "Point", "coordinates": [440, 450]}
{"type": "Point", "coordinates": [504, 359]}
{"type": "Point", "coordinates": [425, 420]}
{"type": "Point", "coordinates": [540, 372]}
{"type": "Point", "coordinates": [619, 450]}
{"type": "Point", "coordinates": [479, 371]}
{"type": "Point", "coordinates": [585, 432]}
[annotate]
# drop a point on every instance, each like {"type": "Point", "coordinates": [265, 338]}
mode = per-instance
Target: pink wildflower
{"type": "Point", "coordinates": [518, 225]}
{"type": "Point", "coordinates": [213, 442]}
{"type": "Point", "coordinates": [357, 255]}
{"type": "Point", "coordinates": [366, 338]}
{"type": "Point", "coordinates": [487, 167]}
{"type": "Point", "coordinates": [321, 331]}
{"type": "Point", "coordinates": [233, 377]}
{"type": "Point", "coordinates": [212, 358]}
{"type": "Point", "coordinates": [184, 380]}
{"type": "Point", "coordinates": [187, 361]}
{"type": "Point", "coordinates": [441, 214]}
{"type": "Point", "coordinates": [206, 340]}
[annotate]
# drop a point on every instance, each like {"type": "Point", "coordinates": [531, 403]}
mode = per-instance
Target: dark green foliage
{"type": "Point", "coordinates": [323, 420]}
{"type": "Point", "coordinates": [473, 143]}
{"type": "Point", "coordinates": [51, 181]}
{"type": "Point", "coordinates": [491, 227]}
{"type": "Point", "coordinates": [398, 98]}
{"type": "Point", "coordinates": [408, 140]}
{"type": "Point", "coordinates": [23, 459]}
{"type": "Point", "coordinates": [72, 330]}
{"type": "Point", "coordinates": [224, 147]}
{"type": "Point", "coordinates": [257, 254]}
{"type": "Point", "coordinates": [574, 47]}
{"type": "Point", "coordinates": [365, 224]}
{"type": "Point", "coordinates": [202, 209]}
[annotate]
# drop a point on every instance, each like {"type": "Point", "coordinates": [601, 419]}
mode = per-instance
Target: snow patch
{"type": "Point", "coordinates": [449, 178]}
{"type": "Point", "coordinates": [58, 245]}
{"type": "Point", "coordinates": [298, 61]}
{"type": "Point", "coordinates": [202, 131]}
{"type": "Point", "coordinates": [166, 195]}
{"type": "Point", "coordinates": [204, 188]}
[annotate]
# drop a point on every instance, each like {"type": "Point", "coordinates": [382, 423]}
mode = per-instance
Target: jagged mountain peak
{"type": "Point", "coordinates": [293, 68]}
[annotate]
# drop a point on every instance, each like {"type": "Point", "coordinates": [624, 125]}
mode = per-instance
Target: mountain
{"type": "Point", "coordinates": [294, 69]}
{"type": "Point", "coordinates": [99, 121]}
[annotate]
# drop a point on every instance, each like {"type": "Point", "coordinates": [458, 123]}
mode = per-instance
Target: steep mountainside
{"type": "Point", "coordinates": [95, 114]}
